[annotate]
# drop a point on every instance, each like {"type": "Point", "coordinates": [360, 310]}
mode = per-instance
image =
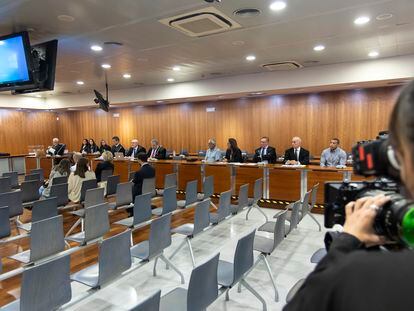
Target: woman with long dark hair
{"type": "Point", "coordinates": [85, 148]}
{"type": "Point", "coordinates": [233, 153]}
{"type": "Point", "coordinates": [93, 146]}
{"type": "Point", "coordinates": [59, 170]}
{"type": "Point", "coordinates": [76, 179]}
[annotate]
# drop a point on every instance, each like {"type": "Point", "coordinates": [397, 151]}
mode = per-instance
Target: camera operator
{"type": "Point", "coordinates": [353, 276]}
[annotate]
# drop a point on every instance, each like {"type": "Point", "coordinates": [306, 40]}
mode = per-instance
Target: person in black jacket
{"type": "Point", "coordinates": [106, 164]}
{"type": "Point", "coordinates": [135, 149]}
{"type": "Point", "coordinates": [233, 153]}
{"type": "Point", "coordinates": [265, 153]}
{"type": "Point", "coordinates": [156, 151]}
{"type": "Point", "coordinates": [297, 154]}
{"type": "Point", "coordinates": [56, 149]}
{"type": "Point", "coordinates": [93, 147]}
{"type": "Point", "coordinates": [146, 171]}
{"type": "Point", "coordinates": [85, 148]}
{"type": "Point", "coordinates": [117, 147]}
{"type": "Point", "coordinates": [351, 277]}
{"type": "Point", "coordinates": [104, 147]}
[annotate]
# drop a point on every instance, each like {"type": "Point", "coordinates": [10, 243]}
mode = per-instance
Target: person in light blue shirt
{"type": "Point", "coordinates": [333, 156]}
{"type": "Point", "coordinates": [213, 153]}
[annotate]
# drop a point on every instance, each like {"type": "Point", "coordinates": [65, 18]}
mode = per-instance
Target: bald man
{"type": "Point", "coordinates": [56, 149]}
{"type": "Point", "coordinates": [135, 149]}
{"type": "Point", "coordinates": [297, 155]}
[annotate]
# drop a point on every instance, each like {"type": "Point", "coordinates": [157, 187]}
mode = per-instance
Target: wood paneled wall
{"type": "Point", "coordinates": [348, 115]}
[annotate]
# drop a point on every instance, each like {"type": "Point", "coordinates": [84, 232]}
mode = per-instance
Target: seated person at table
{"type": "Point", "coordinates": [75, 157]}
{"type": "Point", "coordinates": [117, 147]}
{"type": "Point", "coordinates": [56, 149]}
{"type": "Point", "coordinates": [93, 146]}
{"type": "Point", "coordinates": [146, 171]}
{"type": "Point", "coordinates": [106, 164]}
{"type": "Point", "coordinates": [297, 155]}
{"type": "Point", "coordinates": [265, 153]}
{"type": "Point", "coordinates": [333, 155]}
{"type": "Point", "coordinates": [213, 153]}
{"type": "Point", "coordinates": [135, 149]}
{"type": "Point", "coordinates": [85, 148]}
{"type": "Point", "coordinates": [233, 153]}
{"type": "Point", "coordinates": [156, 151]}
{"type": "Point", "coordinates": [76, 179]}
{"type": "Point", "coordinates": [59, 170]}
{"type": "Point", "coordinates": [104, 147]}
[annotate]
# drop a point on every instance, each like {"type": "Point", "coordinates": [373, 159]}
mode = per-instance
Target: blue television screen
{"type": "Point", "coordinates": [14, 60]}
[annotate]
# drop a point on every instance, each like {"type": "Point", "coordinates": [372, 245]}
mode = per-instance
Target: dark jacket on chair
{"type": "Point", "coordinates": [236, 156]}
{"type": "Point", "coordinates": [270, 155]}
{"type": "Point", "coordinates": [105, 165]}
{"type": "Point", "coordinates": [303, 155]}
{"type": "Point", "coordinates": [146, 171]}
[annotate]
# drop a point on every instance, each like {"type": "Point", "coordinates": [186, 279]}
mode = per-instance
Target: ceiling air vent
{"type": "Point", "coordinates": [282, 66]}
{"type": "Point", "coordinates": [201, 23]}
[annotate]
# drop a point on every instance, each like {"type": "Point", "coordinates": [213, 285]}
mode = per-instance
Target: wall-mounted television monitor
{"type": "Point", "coordinates": [15, 62]}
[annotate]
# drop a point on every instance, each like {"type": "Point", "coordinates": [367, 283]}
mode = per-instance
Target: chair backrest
{"type": "Point", "coordinates": [13, 200]}
{"type": "Point", "coordinates": [258, 190]}
{"type": "Point", "coordinates": [46, 238]}
{"type": "Point", "coordinates": [224, 204]}
{"type": "Point", "coordinates": [30, 190]}
{"type": "Point", "coordinates": [160, 235]}
{"type": "Point", "coordinates": [111, 184]}
{"type": "Point", "coordinates": [123, 194]}
{"type": "Point", "coordinates": [5, 184]}
{"type": "Point", "coordinates": [294, 218]}
{"type": "Point", "coordinates": [201, 216]}
{"type": "Point", "coordinates": [106, 173]}
{"type": "Point", "coordinates": [279, 232]}
{"type": "Point", "coordinates": [243, 257]}
{"type": "Point", "coordinates": [152, 303]}
{"type": "Point", "coordinates": [142, 208]}
{"type": "Point", "coordinates": [114, 256]}
{"type": "Point", "coordinates": [86, 185]}
{"type": "Point", "coordinates": [131, 176]}
{"type": "Point", "coordinates": [14, 176]}
{"type": "Point", "coordinates": [208, 186]}
{"type": "Point", "coordinates": [305, 204]}
{"type": "Point", "coordinates": [94, 197]}
{"type": "Point", "coordinates": [313, 196]}
{"type": "Point", "coordinates": [169, 200]}
{"type": "Point", "coordinates": [46, 286]}
{"type": "Point", "coordinates": [39, 171]}
{"type": "Point", "coordinates": [60, 191]}
{"type": "Point", "coordinates": [96, 221]}
{"type": "Point", "coordinates": [148, 186]}
{"type": "Point", "coordinates": [44, 209]}
{"type": "Point", "coordinates": [243, 199]}
{"type": "Point", "coordinates": [191, 192]}
{"type": "Point", "coordinates": [32, 177]}
{"type": "Point", "coordinates": [4, 222]}
{"type": "Point", "coordinates": [59, 180]}
{"type": "Point", "coordinates": [170, 180]}
{"type": "Point", "coordinates": [203, 285]}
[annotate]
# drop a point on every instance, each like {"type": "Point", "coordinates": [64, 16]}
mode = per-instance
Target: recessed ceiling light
{"type": "Point", "coordinates": [170, 80]}
{"type": "Point", "coordinates": [126, 75]}
{"type": "Point", "coordinates": [176, 68]}
{"type": "Point", "coordinates": [319, 48]}
{"type": "Point", "coordinates": [159, 101]}
{"type": "Point", "coordinates": [277, 5]}
{"type": "Point", "coordinates": [106, 66]}
{"type": "Point", "coordinates": [384, 16]}
{"type": "Point", "coordinates": [96, 48]}
{"type": "Point", "coordinates": [361, 20]}
{"type": "Point", "coordinates": [38, 96]}
{"type": "Point", "coordinates": [80, 82]}
{"type": "Point", "coordinates": [250, 58]}
{"type": "Point", "coordinates": [256, 93]}
{"type": "Point", "coordinates": [65, 18]}
{"type": "Point", "coordinates": [373, 54]}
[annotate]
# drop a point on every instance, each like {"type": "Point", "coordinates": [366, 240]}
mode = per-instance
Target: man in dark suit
{"type": "Point", "coordinates": [297, 154]}
{"type": "Point", "coordinates": [117, 147]}
{"type": "Point", "coordinates": [56, 149]}
{"type": "Point", "coordinates": [146, 171]}
{"type": "Point", "coordinates": [135, 149]}
{"type": "Point", "coordinates": [265, 153]}
{"type": "Point", "coordinates": [156, 151]}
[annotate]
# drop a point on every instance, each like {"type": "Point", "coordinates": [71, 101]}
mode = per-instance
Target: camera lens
{"type": "Point", "coordinates": [408, 226]}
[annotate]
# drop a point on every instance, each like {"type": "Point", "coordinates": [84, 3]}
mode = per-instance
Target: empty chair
{"type": "Point", "coordinates": [106, 173]}
{"type": "Point", "coordinates": [96, 224]}
{"type": "Point", "coordinates": [111, 184]}
{"type": "Point", "coordinates": [314, 192]}
{"type": "Point", "coordinates": [190, 230]}
{"type": "Point", "coordinates": [60, 191]}
{"type": "Point", "coordinates": [42, 209]}
{"type": "Point", "coordinates": [142, 211]}
{"type": "Point", "coordinates": [253, 202]}
{"type": "Point", "coordinates": [152, 303]}
{"type": "Point", "coordinates": [202, 289]}
{"type": "Point", "coordinates": [114, 258]}
{"type": "Point", "coordinates": [5, 184]}
{"type": "Point", "coordinates": [59, 180]}
{"type": "Point", "coordinates": [190, 194]}
{"type": "Point", "coordinates": [169, 203]}
{"type": "Point", "coordinates": [269, 226]}
{"type": "Point", "coordinates": [153, 248]}
{"type": "Point", "coordinates": [223, 209]}
{"type": "Point", "coordinates": [304, 208]}
{"type": "Point", "coordinates": [229, 274]}
{"type": "Point", "coordinates": [14, 178]}
{"type": "Point", "coordinates": [148, 186]}
{"type": "Point", "coordinates": [266, 247]}
{"type": "Point", "coordinates": [86, 185]}
{"type": "Point", "coordinates": [4, 222]}
{"type": "Point", "coordinates": [30, 192]}
{"type": "Point", "coordinates": [35, 176]}
{"type": "Point", "coordinates": [242, 200]}
{"type": "Point", "coordinates": [123, 196]}
{"type": "Point", "coordinates": [39, 171]}
{"type": "Point", "coordinates": [170, 180]}
{"type": "Point", "coordinates": [13, 200]}
{"type": "Point", "coordinates": [208, 188]}
{"type": "Point", "coordinates": [46, 239]}
{"type": "Point", "coordinates": [44, 287]}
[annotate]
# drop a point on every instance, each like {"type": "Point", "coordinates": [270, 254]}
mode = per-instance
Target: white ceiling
{"type": "Point", "coordinates": [150, 49]}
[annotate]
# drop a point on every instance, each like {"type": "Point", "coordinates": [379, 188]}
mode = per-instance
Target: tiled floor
{"type": "Point", "coordinates": [289, 262]}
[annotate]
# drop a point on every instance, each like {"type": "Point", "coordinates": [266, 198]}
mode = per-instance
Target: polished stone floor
{"type": "Point", "coordinates": [289, 262]}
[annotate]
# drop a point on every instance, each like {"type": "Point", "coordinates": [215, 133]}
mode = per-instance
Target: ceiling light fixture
{"type": "Point", "coordinates": [170, 80]}
{"type": "Point", "coordinates": [319, 48]}
{"type": "Point", "coordinates": [65, 18]}
{"type": "Point", "coordinates": [361, 20]}
{"type": "Point", "coordinates": [127, 75]}
{"type": "Point", "coordinates": [250, 58]}
{"type": "Point", "coordinates": [384, 16]}
{"type": "Point", "coordinates": [106, 66]}
{"type": "Point", "coordinates": [80, 82]}
{"type": "Point", "coordinates": [176, 68]}
{"type": "Point", "coordinates": [38, 96]}
{"type": "Point", "coordinates": [96, 48]}
{"type": "Point", "coordinates": [277, 5]}
{"type": "Point", "coordinates": [373, 54]}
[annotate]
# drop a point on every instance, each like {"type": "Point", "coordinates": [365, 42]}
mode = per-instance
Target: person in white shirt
{"type": "Point", "coordinates": [213, 153]}
{"type": "Point", "coordinates": [76, 179]}
{"type": "Point", "coordinates": [76, 157]}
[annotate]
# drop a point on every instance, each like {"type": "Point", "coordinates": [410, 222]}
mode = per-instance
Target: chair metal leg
{"type": "Point", "coordinates": [248, 211]}
{"type": "Point", "coordinates": [269, 271]}
{"type": "Point", "coordinates": [250, 289]}
{"type": "Point", "coordinates": [259, 209]}
{"type": "Point", "coordinates": [227, 294]}
{"type": "Point", "coordinates": [315, 220]}
{"type": "Point", "coordinates": [167, 261]}
{"type": "Point", "coordinates": [132, 240]}
{"type": "Point", "coordinates": [259, 259]}
{"type": "Point", "coordinates": [175, 252]}
{"type": "Point", "coordinates": [82, 224]}
{"type": "Point", "coordinates": [214, 205]}
{"type": "Point", "coordinates": [73, 227]}
{"type": "Point", "coordinates": [154, 270]}
{"type": "Point", "coordinates": [190, 248]}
